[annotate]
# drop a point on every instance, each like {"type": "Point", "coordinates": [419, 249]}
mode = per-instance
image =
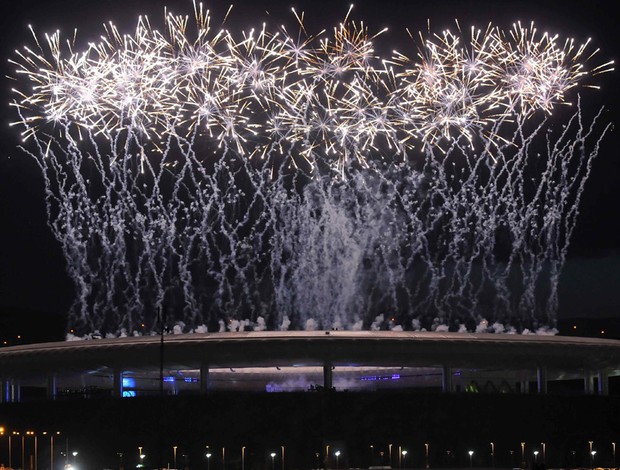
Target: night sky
{"type": "Point", "coordinates": [34, 289]}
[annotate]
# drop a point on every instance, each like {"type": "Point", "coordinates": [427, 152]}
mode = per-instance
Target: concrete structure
{"type": "Point", "coordinates": [296, 360]}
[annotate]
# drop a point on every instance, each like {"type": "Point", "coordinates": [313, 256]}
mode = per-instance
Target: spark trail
{"type": "Point", "coordinates": [261, 180]}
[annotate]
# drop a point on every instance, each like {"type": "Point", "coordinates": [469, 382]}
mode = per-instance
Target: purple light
{"type": "Point", "coordinates": [373, 378]}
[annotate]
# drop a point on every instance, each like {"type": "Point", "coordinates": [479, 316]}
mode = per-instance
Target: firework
{"type": "Point", "coordinates": [331, 93]}
{"type": "Point", "coordinates": [264, 178]}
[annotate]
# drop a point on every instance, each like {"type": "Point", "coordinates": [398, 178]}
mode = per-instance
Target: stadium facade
{"type": "Point", "coordinates": [300, 361]}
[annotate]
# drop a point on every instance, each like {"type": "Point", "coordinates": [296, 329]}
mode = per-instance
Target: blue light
{"type": "Point", "coordinates": [129, 382]}
{"type": "Point", "coordinates": [169, 379]}
{"type": "Point", "coordinates": [380, 377]}
{"type": "Point", "coordinates": [129, 393]}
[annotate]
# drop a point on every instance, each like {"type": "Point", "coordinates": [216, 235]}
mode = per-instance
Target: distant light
{"type": "Point", "coordinates": [129, 382]}
{"type": "Point", "coordinates": [169, 379]}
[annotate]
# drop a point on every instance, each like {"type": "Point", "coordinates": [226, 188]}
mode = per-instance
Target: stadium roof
{"type": "Point", "coordinates": [296, 348]}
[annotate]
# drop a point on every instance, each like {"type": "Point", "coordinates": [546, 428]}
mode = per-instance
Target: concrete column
{"type": "Point", "coordinates": [588, 383]}
{"type": "Point", "coordinates": [446, 379]}
{"type": "Point", "coordinates": [603, 382]}
{"type": "Point", "coordinates": [541, 379]}
{"type": "Point", "coordinates": [328, 382]}
{"type": "Point", "coordinates": [204, 379]}
{"type": "Point", "coordinates": [51, 387]}
{"type": "Point", "coordinates": [16, 391]}
{"type": "Point", "coordinates": [117, 383]}
{"type": "Point", "coordinates": [525, 387]}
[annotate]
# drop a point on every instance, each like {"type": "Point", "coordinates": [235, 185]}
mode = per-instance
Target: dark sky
{"type": "Point", "coordinates": [32, 277]}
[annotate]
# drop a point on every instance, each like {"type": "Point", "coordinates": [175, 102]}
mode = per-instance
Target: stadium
{"type": "Point", "coordinates": [368, 393]}
{"type": "Point", "coordinates": [296, 361]}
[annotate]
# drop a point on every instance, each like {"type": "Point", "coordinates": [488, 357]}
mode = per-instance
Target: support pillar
{"type": "Point", "coordinates": [51, 387]}
{"type": "Point", "coordinates": [15, 391]}
{"type": "Point", "coordinates": [588, 383]}
{"type": "Point", "coordinates": [4, 390]}
{"type": "Point", "coordinates": [328, 382]}
{"type": "Point", "coordinates": [541, 379]}
{"type": "Point", "coordinates": [603, 382]}
{"type": "Point", "coordinates": [446, 379]}
{"type": "Point", "coordinates": [117, 386]}
{"type": "Point", "coordinates": [204, 379]}
{"type": "Point", "coordinates": [525, 387]}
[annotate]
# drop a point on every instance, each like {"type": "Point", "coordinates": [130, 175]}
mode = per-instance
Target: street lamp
{"type": "Point", "coordinates": [544, 452]}
{"type": "Point", "coordinates": [282, 447]}
{"type": "Point", "coordinates": [492, 454]}
{"type": "Point", "coordinates": [327, 456]}
{"type": "Point", "coordinates": [536, 456]}
{"type": "Point", "coordinates": [523, 455]}
{"type": "Point", "coordinates": [174, 456]}
{"type": "Point", "coordinates": [273, 461]}
{"type": "Point", "coordinates": [243, 458]}
{"type": "Point", "coordinates": [52, 447]}
{"type": "Point", "coordinates": [592, 454]}
{"type": "Point", "coordinates": [404, 453]}
{"type": "Point", "coordinates": [142, 460]}
{"type": "Point", "coordinates": [208, 460]}
{"type": "Point", "coordinates": [426, 462]}
{"type": "Point", "coordinates": [471, 455]}
{"type": "Point", "coordinates": [613, 453]}
{"type": "Point", "coordinates": [337, 454]}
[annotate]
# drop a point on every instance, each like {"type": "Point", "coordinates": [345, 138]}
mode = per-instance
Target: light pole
{"type": "Point", "coordinates": [243, 458]}
{"type": "Point", "coordinates": [535, 456]}
{"type": "Point", "coordinates": [492, 454]}
{"type": "Point", "coordinates": [471, 455]}
{"type": "Point", "coordinates": [142, 460]}
{"type": "Point", "coordinates": [523, 455]}
{"type": "Point", "coordinates": [613, 454]}
{"type": "Point", "coordinates": [390, 453]}
{"type": "Point", "coordinates": [10, 452]}
{"type": "Point", "coordinates": [208, 461]}
{"type": "Point", "coordinates": [326, 456]}
{"type": "Point", "coordinates": [337, 454]}
{"type": "Point", "coordinates": [404, 454]}
{"type": "Point", "coordinates": [273, 461]}
{"type": "Point", "coordinates": [372, 448]}
{"type": "Point", "coordinates": [23, 451]}
{"type": "Point", "coordinates": [426, 461]}
{"type": "Point", "coordinates": [52, 448]}
{"type": "Point", "coordinates": [544, 452]}
{"type": "Point", "coordinates": [2, 432]}
{"type": "Point", "coordinates": [36, 452]}
{"type": "Point", "coordinates": [592, 454]}
{"type": "Point", "coordinates": [282, 447]}
{"type": "Point", "coordinates": [174, 456]}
